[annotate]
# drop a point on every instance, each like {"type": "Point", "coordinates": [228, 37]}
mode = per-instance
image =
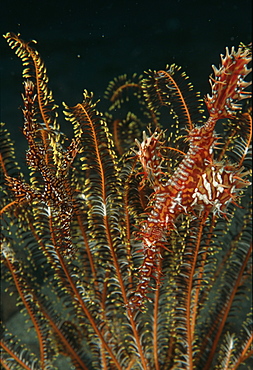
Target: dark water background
{"type": "Point", "coordinates": [86, 43]}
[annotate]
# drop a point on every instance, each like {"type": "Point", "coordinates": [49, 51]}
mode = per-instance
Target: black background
{"type": "Point", "coordinates": [86, 43]}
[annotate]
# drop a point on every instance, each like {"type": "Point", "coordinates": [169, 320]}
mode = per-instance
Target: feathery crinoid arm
{"type": "Point", "coordinates": [171, 88]}
{"type": "Point", "coordinates": [117, 91]}
{"type": "Point", "coordinates": [101, 189]}
{"type": "Point", "coordinates": [35, 71]}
